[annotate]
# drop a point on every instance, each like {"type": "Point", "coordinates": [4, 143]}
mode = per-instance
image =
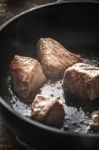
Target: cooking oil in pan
{"type": "Point", "coordinates": [75, 118]}
{"type": "Point", "coordinates": [77, 111]}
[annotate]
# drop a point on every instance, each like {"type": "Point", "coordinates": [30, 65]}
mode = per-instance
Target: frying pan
{"type": "Point", "coordinates": [76, 26]}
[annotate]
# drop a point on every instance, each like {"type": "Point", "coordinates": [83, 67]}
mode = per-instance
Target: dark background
{"type": "Point", "coordinates": [8, 9]}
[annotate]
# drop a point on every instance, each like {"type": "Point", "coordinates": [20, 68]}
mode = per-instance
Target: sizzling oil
{"type": "Point", "coordinates": [77, 110]}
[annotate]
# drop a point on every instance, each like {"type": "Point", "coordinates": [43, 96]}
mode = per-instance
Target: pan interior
{"type": "Point", "coordinates": [76, 26]}
{"type": "Point", "coordinates": [77, 111]}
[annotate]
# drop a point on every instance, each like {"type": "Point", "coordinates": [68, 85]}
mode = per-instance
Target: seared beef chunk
{"type": "Point", "coordinates": [83, 80]}
{"type": "Point", "coordinates": [27, 76]}
{"type": "Point", "coordinates": [48, 110]}
{"type": "Point", "coordinates": [94, 123]}
{"type": "Point", "coordinates": [55, 59]}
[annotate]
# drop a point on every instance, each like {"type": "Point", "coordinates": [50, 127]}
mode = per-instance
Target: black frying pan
{"type": "Point", "coordinates": [76, 26]}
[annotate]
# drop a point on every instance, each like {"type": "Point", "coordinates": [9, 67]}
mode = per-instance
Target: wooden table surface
{"type": "Point", "coordinates": [8, 9]}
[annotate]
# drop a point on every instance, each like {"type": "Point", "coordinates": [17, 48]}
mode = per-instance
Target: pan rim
{"type": "Point", "coordinates": [45, 127]}
{"type": "Point", "coordinates": [33, 122]}
{"type": "Point", "coordinates": [43, 6]}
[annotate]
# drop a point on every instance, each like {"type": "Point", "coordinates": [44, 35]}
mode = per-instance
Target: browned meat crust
{"type": "Point", "coordinates": [54, 58]}
{"type": "Point", "coordinates": [48, 110]}
{"type": "Point", "coordinates": [27, 76]}
{"type": "Point", "coordinates": [94, 122]}
{"type": "Point", "coordinates": [83, 80]}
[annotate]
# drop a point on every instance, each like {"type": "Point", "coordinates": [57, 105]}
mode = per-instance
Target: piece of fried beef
{"type": "Point", "coordinates": [94, 122]}
{"type": "Point", "coordinates": [83, 80]}
{"type": "Point", "coordinates": [48, 110]}
{"type": "Point", "coordinates": [54, 58]}
{"type": "Point", "coordinates": [27, 77]}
